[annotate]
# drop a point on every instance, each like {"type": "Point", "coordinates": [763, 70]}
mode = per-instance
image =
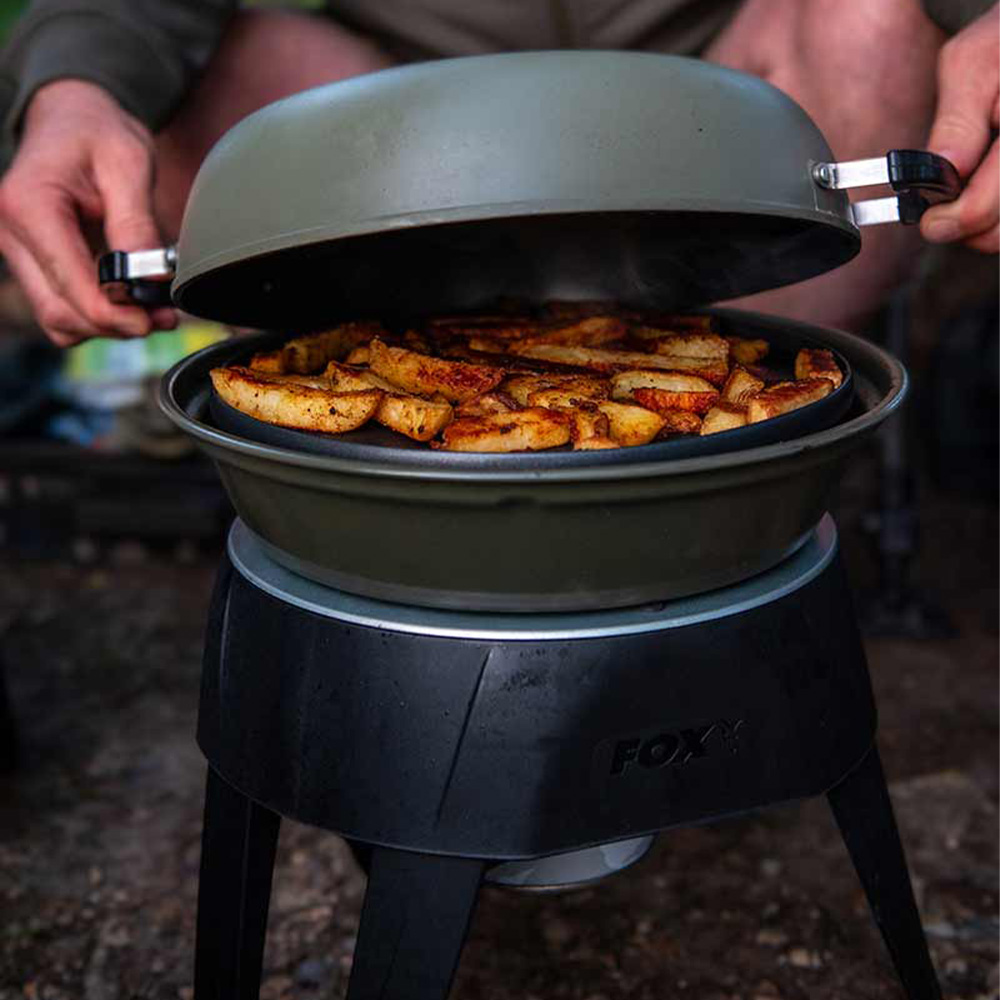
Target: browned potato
{"type": "Point", "coordinates": [309, 354]}
{"type": "Point", "coordinates": [522, 430]}
{"type": "Point", "coordinates": [683, 345]}
{"type": "Point", "coordinates": [663, 400]}
{"type": "Point", "coordinates": [489, 402]}
{"type": "Point", "coordinates": [817, 362]}
{"type": "Point", "coordinates": [610, 362]}
{"type": "Point", "coordinates": [359, 356]}
{"type": "Point", "coordinates": [679, 422]}
{"type": "Point", "coordinates": [785, 397]}
{"type": "Point", "coordinates": [747, 352]}
{"type": "Point", "coordinates": [312, 405]}
{"type": "Point", "coordinates": [522, 387]}
{"type": "Point", "coordinates": [417, 418]}
{"type": "Point", "coordinates": [457, 381]}
{"type": "Point", "coordinates": [740, 387]}
{"type": "Point", "coordinates": [624, 385]}
{"type": "Point", "coordinates": [631, 425]}
{"type": "Point", "coordinates": [723, 417]}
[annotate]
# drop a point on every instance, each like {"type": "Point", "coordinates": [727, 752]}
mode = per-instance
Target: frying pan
{"type": "Point", "coordinates": [658, 182]}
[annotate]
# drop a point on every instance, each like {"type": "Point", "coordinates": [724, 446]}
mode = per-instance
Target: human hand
{"type": "Point", "coordinates": [968, 114]}
{"type": "Point", "coordinates": [82, 158]}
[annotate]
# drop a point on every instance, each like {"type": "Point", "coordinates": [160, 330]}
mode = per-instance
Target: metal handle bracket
{"type": "Point", "coordinates": [919, 178]}
{"type": "Point", "coordinates": [138, 276]}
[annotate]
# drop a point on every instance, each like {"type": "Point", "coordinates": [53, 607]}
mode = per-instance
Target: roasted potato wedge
{"type": "Point", "coordinates": [723, 417]}
{"type": "Point", "coordinates": [665, 401]}
{"type": "Point", "coordinates": [522, 387]}
{"type": "Point", "coordinates": [785, 397]}
{"type": "Point", "coordinates": [309, 354]}
{"type": "Point", "coordinates": [631, 425]}
{"type": "Point", "coordinates": [457, 381]}
{"type": "Point", "coordinates": [679, 422]}
{"type": "Point", "coordinates": [522, 430]}
{"type": "Point", "coordinates": [417, 418]}
{"type": "Point", "coordinates": [683, 345]}
{"type": "Point", "coordinates": [611, 362]}
{"type": "Point", "coordinates": [747, 352]}
{"type": "Point", "coordinates": [489, 402]}
{"type": "Point", "coordinates": [312, 405]}
{"type": "Point", "coordinates": [624, 384]}
{"type": "Point", "coordinates": [817, 362]}
{"type": "Point", "coordinates": [359, 356]}
{"type": "Point", "coordinates": [740, 387]}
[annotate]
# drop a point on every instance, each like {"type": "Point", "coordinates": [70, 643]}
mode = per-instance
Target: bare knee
{"type": "Point", "coordinates": [265, 55]}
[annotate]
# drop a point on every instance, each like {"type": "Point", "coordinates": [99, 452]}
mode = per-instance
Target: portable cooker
{"type": "Point", "coordinates": [520, 668]}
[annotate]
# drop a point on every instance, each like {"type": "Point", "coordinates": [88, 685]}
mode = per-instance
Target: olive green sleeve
{"type": "Point", "coordinates": [953, 15]}
{"type": "Point", "coordinates": [146, 53]}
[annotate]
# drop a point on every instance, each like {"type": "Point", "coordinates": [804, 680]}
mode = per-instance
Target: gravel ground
{"type": "Point", "coordinates": [99, 825]}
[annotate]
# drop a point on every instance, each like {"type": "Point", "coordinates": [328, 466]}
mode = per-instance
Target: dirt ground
{"type": "Point", "coordinates": [99, 825]}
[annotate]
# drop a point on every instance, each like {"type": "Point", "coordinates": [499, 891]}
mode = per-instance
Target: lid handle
{"type": "Point", "coordinates": [139, 277]}
{"type": "Point", "coordinates": [919, 178]}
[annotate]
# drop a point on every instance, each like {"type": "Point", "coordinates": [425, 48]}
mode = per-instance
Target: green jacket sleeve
{"type": "Point", "coordinates": [146, 53]}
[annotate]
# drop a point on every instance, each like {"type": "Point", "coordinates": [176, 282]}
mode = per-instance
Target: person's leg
{"type": "Point", "coordinates": [264, 56]}
{"type": "Point", "coordinates": [864, 70]}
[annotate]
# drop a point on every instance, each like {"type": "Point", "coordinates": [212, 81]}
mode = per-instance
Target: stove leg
{"type": "Point", "coordinates": [234, 889]}
{"type": "Point", "coordinates": [415, 918]}
{"type": "Point", "coordinates": [864, 814]}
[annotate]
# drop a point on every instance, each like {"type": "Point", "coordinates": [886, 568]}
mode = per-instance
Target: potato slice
{"type": "Point", "coordinates": [417, 418]}
{"type": "Point", "coordinates": [312, 405]}
{"type": "Point", "coordinates": [610, 362]}
{"type": "Point", "coordinates": [631, 425]}
{"type": "Point", "coordinates": [624, 384]}
{"type": "Point", "coordinates": [747, 352]}
{"type": "Point", "coordinates": [523, 430]}
{"type": "Point", "coordinates": [309, 354]}
{"type": "Point", "coordinates": [740, 387]}
{"type": "Point", "coordinates": [785, 397]}
{"type": "Point", "coordinates": [595, 444]}
{"type": "Point", "coordinates": [679, 422]}
{"type": "Point", "coordinates": [522, 387]}
{"type": "Point", "coordinates": [684, 345]}
{"type": "Point", "coordinates": [457, 381]}
{"type": "Point", "coordinates": [489, 402]}
{"type": "Point", "coordinates": [359, 356]}
{"type": "Point", "coordinates": [723, 417]}
{"type": "Point", "coordinates": [663, 400]}
{"type": "Point", "coordinates": [817, 362]}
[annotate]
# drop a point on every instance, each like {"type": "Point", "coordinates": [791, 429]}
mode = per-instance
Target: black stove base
{"type": "Point", "coordinates": [448, 744]}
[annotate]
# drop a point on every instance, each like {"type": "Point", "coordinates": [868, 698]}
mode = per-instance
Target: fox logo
{"type": "Point", "coordinates": [676, 747]}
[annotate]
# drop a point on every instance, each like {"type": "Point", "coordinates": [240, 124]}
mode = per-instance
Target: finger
{"type": "Point", "coordinates": [46, 224]}
{"type": "Point", "coordinates": [123, 174]}
{"type": "Point", "coordinates": [975, 211]}
{"type": "Point", "coordinates": [63, 325]}
{"type": "Point", "coordinates": [988, 242]}
{"type": "Point", "coordinates": [967, 95]}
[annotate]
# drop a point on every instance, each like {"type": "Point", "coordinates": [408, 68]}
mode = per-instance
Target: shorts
{"type": "Point", "coordinates": [413, 30]}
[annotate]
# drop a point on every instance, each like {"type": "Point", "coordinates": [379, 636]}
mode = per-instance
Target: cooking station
{"type": "Point", "coordinates": [534, 751]}
{"type": "Point", "coordinates": [520, 668]}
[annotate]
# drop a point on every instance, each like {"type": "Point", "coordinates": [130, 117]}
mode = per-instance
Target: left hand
{"type": "Point", "coordinates": [967, 116]}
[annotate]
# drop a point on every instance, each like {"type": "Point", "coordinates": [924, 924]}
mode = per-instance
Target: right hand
{"type": "Point", "coordinates": [81, 157]}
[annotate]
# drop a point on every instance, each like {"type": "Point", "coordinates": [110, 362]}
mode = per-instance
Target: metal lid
{"type": "Point", "coordinates": [655, 180]}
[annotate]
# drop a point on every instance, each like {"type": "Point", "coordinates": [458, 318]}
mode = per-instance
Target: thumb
{"type": "Point", "coordinates": [967, 94]}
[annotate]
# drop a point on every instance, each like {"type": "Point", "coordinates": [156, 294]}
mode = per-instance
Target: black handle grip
{"type": "Point", "coordinates": [113, 275]}
{"type": "Point", "coordinates": [921, 179]}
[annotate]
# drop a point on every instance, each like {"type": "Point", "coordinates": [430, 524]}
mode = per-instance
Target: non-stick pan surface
{"type": "Point", "coordinates": [376, 443]}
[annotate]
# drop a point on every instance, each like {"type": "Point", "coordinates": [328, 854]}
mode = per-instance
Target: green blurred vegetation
{"type": "Point", "coordinates": [10, 11]}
